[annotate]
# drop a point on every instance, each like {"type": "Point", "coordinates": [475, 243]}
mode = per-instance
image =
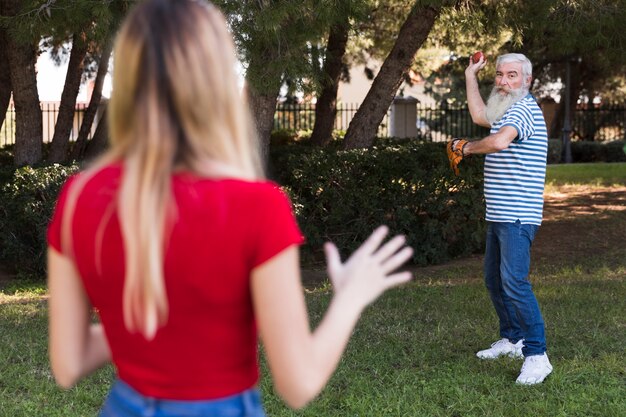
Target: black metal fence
{"type": "Point", "coordinates": [440, 123]}
{"type": "Point", "coordinates": [297, 117]}
{"type": "Point", "coordinates": [49, 114]}
{"type": "Point", "coordinates": [603, 123]}
{"type": "Point", "coordinates": [436, 123]}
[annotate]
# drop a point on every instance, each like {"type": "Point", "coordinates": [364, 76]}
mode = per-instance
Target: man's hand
{"type": "Point", "coordinates": [455, 153]}
{"type": "Point", "coordinates": [473, 67]}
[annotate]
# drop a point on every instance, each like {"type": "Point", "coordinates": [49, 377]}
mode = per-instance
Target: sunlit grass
{"type": "Point", "coordinates": [412, 354]}
{"type": "Point", "coordinates": [594, 174]}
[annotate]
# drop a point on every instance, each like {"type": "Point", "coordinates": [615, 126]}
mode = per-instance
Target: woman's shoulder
{"type": "Point", "coordinates": [259, 191]}
{"type": "Point", "coordinates": [105, 177]}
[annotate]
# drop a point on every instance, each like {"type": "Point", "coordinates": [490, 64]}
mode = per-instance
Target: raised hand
{"type": "Point", "coordinates": [370, 270]}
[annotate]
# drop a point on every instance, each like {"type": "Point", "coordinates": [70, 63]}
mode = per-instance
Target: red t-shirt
{"type": "Point", "coordinates": [223, 229]}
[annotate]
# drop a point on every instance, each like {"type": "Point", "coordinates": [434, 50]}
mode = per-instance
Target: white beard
{"type": "Point", "coordinates": [498, 104]}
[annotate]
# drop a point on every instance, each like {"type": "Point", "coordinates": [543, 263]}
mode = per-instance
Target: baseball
{"type": "Point", "coordinates": [477, 56]}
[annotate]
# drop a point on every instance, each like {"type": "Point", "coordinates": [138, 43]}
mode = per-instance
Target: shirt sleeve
{"type": "Point", "coordinates": [277, 228]}
{"type": "Point", "coordinates": [521, 118]}
{"type": "Point", "coordinates": [55, 225]}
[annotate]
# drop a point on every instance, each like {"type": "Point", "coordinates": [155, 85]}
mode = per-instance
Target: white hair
{"type": "Point", "coordinates": [527, 67]}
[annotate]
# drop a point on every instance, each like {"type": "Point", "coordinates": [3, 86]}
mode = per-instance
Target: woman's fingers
{"type": "Point", "coordinates": [373, 242]}
{"type": "Point", "coordinates": [397, 279]}
{"type": "Point", "coordinates": [333, 259]}
{"type": "Point", "coordinates": [395, 261]}
{"type": "Point", "coordinates": [389, 248]}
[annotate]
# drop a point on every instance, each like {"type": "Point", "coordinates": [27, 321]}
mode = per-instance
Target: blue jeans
{"type": "Point", "coordinates": [507, 263]}
{"type": "Point", "coordinates": [124, 401]}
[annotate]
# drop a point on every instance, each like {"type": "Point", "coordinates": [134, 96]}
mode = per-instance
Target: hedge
{"type": "Point", "coordinates": [27, 200]}
{"type": "Point", "coordinates": [342, 195]}
{"type": "Point", "coordinates": [584, 151]}
{"type": "Point", "coordinates": [337, 195]}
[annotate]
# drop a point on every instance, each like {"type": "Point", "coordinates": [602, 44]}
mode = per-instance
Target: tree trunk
{"type": "Point", "coordinates": [5, 78]}
{"type": "Point", "coordinates": [28, 122]}
{"type": "Point", "coordinates": [67, 108]}
{"type": "Point", "coordinates": [98, 144]}
{"type": "Point", "coordinates": [94, 103]}
{"type": "Point", "coordinates": [326, 106]}
{"type": "Point", "coordinates": [262, 98]}
{"type": "Point", "coordinates": [363, 127]}
{"type": "Point", "coordinates": [559, 118]}
{"type": "Point", "coordinates": [22, 57]}
{"type": "Point", "coordinates": [263, 107]}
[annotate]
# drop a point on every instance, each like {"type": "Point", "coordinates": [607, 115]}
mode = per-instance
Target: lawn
{"type": "Point", "coordinates": [590, 174]}
{"type": "Point", "coordinates": [412, 353]}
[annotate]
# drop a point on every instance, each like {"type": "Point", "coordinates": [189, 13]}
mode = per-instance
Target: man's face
{"type": "Point", "coordinates": [509, 78]}
{"type": "Point", "coordinates": [510, 86]}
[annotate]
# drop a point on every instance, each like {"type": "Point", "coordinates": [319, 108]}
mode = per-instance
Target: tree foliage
{"type": "Point", "coordinates": [80, 26]}
{"type": "Point", "coordinates": [285, 43]}
{"type": "Point", "coordinates": [549, 32]}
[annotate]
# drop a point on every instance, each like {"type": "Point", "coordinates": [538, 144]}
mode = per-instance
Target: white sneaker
{"type": "Point", "coordinates": [502, 347]}
{"type": "Point", "coordinates": [534, 370]}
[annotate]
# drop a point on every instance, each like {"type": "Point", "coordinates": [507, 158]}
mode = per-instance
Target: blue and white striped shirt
{"type": "Point", "coordinates": [515, 177]}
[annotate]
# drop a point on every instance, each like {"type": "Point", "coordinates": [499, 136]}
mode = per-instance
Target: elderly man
{"type": "Point", "coordinates": [515, 168]}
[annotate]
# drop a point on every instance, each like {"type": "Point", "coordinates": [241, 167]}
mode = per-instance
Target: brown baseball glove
{"type": "Point", "coordinates": [455, 153]}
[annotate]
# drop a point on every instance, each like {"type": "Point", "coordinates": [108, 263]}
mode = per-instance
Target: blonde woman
{"type": "Point", "coordinates": [183, 248]}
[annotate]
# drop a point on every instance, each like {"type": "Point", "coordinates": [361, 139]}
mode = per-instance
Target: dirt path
{"type": "Point", "coordinates": [581, 220]}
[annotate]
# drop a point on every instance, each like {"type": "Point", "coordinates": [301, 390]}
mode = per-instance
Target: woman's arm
{"type": "Point", "coordinates": [301, 362]}
{"type": "Point", "coordinates": [77, 347]}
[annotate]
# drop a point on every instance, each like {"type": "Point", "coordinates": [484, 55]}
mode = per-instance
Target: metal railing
{"type": "Point", "coordinates": [436, 123]}
{"type": "Point", "coordinates": [301, 116]}
{"type": "Point", "coordinates": [604, 123]}
{"type": "Point", "coordinates": [49, 114]}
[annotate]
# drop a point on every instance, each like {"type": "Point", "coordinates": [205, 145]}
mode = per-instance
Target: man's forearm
{"type": "Point", "coordinates": [474, 100]}
{"type": "Point", "coordinates": [492, 143]}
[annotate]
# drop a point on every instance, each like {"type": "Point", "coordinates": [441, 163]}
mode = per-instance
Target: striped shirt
{"type": "Point", "coordinates": [515, 177]}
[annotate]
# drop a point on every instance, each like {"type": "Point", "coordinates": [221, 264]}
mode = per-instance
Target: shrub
{"type": "Point", "coordinates": [555, 150]}
{"type": "Point", "coordinates": [584, 151]}
{"type": "Point", "coordinates": [342, 195]}
{"type": "Point", "coordinates": [27, 200]}
{"type": "Point", "coordinates": [337, 195]}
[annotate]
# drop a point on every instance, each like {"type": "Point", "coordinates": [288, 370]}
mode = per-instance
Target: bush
{"type": "Point", "coordinates": [342, 195]}
{"type": "Point", "coordinates": [285, 136]}
{"type": "Point", "coordinates": [555, 150]}
{"type": "Point", "coordinates": [337, 195]}
{"type": "Point", "coordinates": [27, 199]}
{"type": "Point", "coordinates": [584, 151]}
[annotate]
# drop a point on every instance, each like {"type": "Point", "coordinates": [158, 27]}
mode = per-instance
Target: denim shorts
{"type": "Point", "coordinates": [124, 401]}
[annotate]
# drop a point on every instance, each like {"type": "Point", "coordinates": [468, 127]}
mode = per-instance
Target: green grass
{"type": "Point", "coordinates": [412, 354]}
{"type": "Point", "coordinates": [589, 174]}
{"type": "Point", "coordinates": [26, 385]}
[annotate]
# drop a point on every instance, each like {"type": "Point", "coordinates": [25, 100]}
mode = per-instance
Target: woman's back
{"type": "Point", "coordinates": [217, 232]}
{"type": "Point", "coordinates": [182, 269]}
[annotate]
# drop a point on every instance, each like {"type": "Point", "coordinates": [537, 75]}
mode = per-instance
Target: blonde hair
{"type": "Point", "coordinates": [175, 104]}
